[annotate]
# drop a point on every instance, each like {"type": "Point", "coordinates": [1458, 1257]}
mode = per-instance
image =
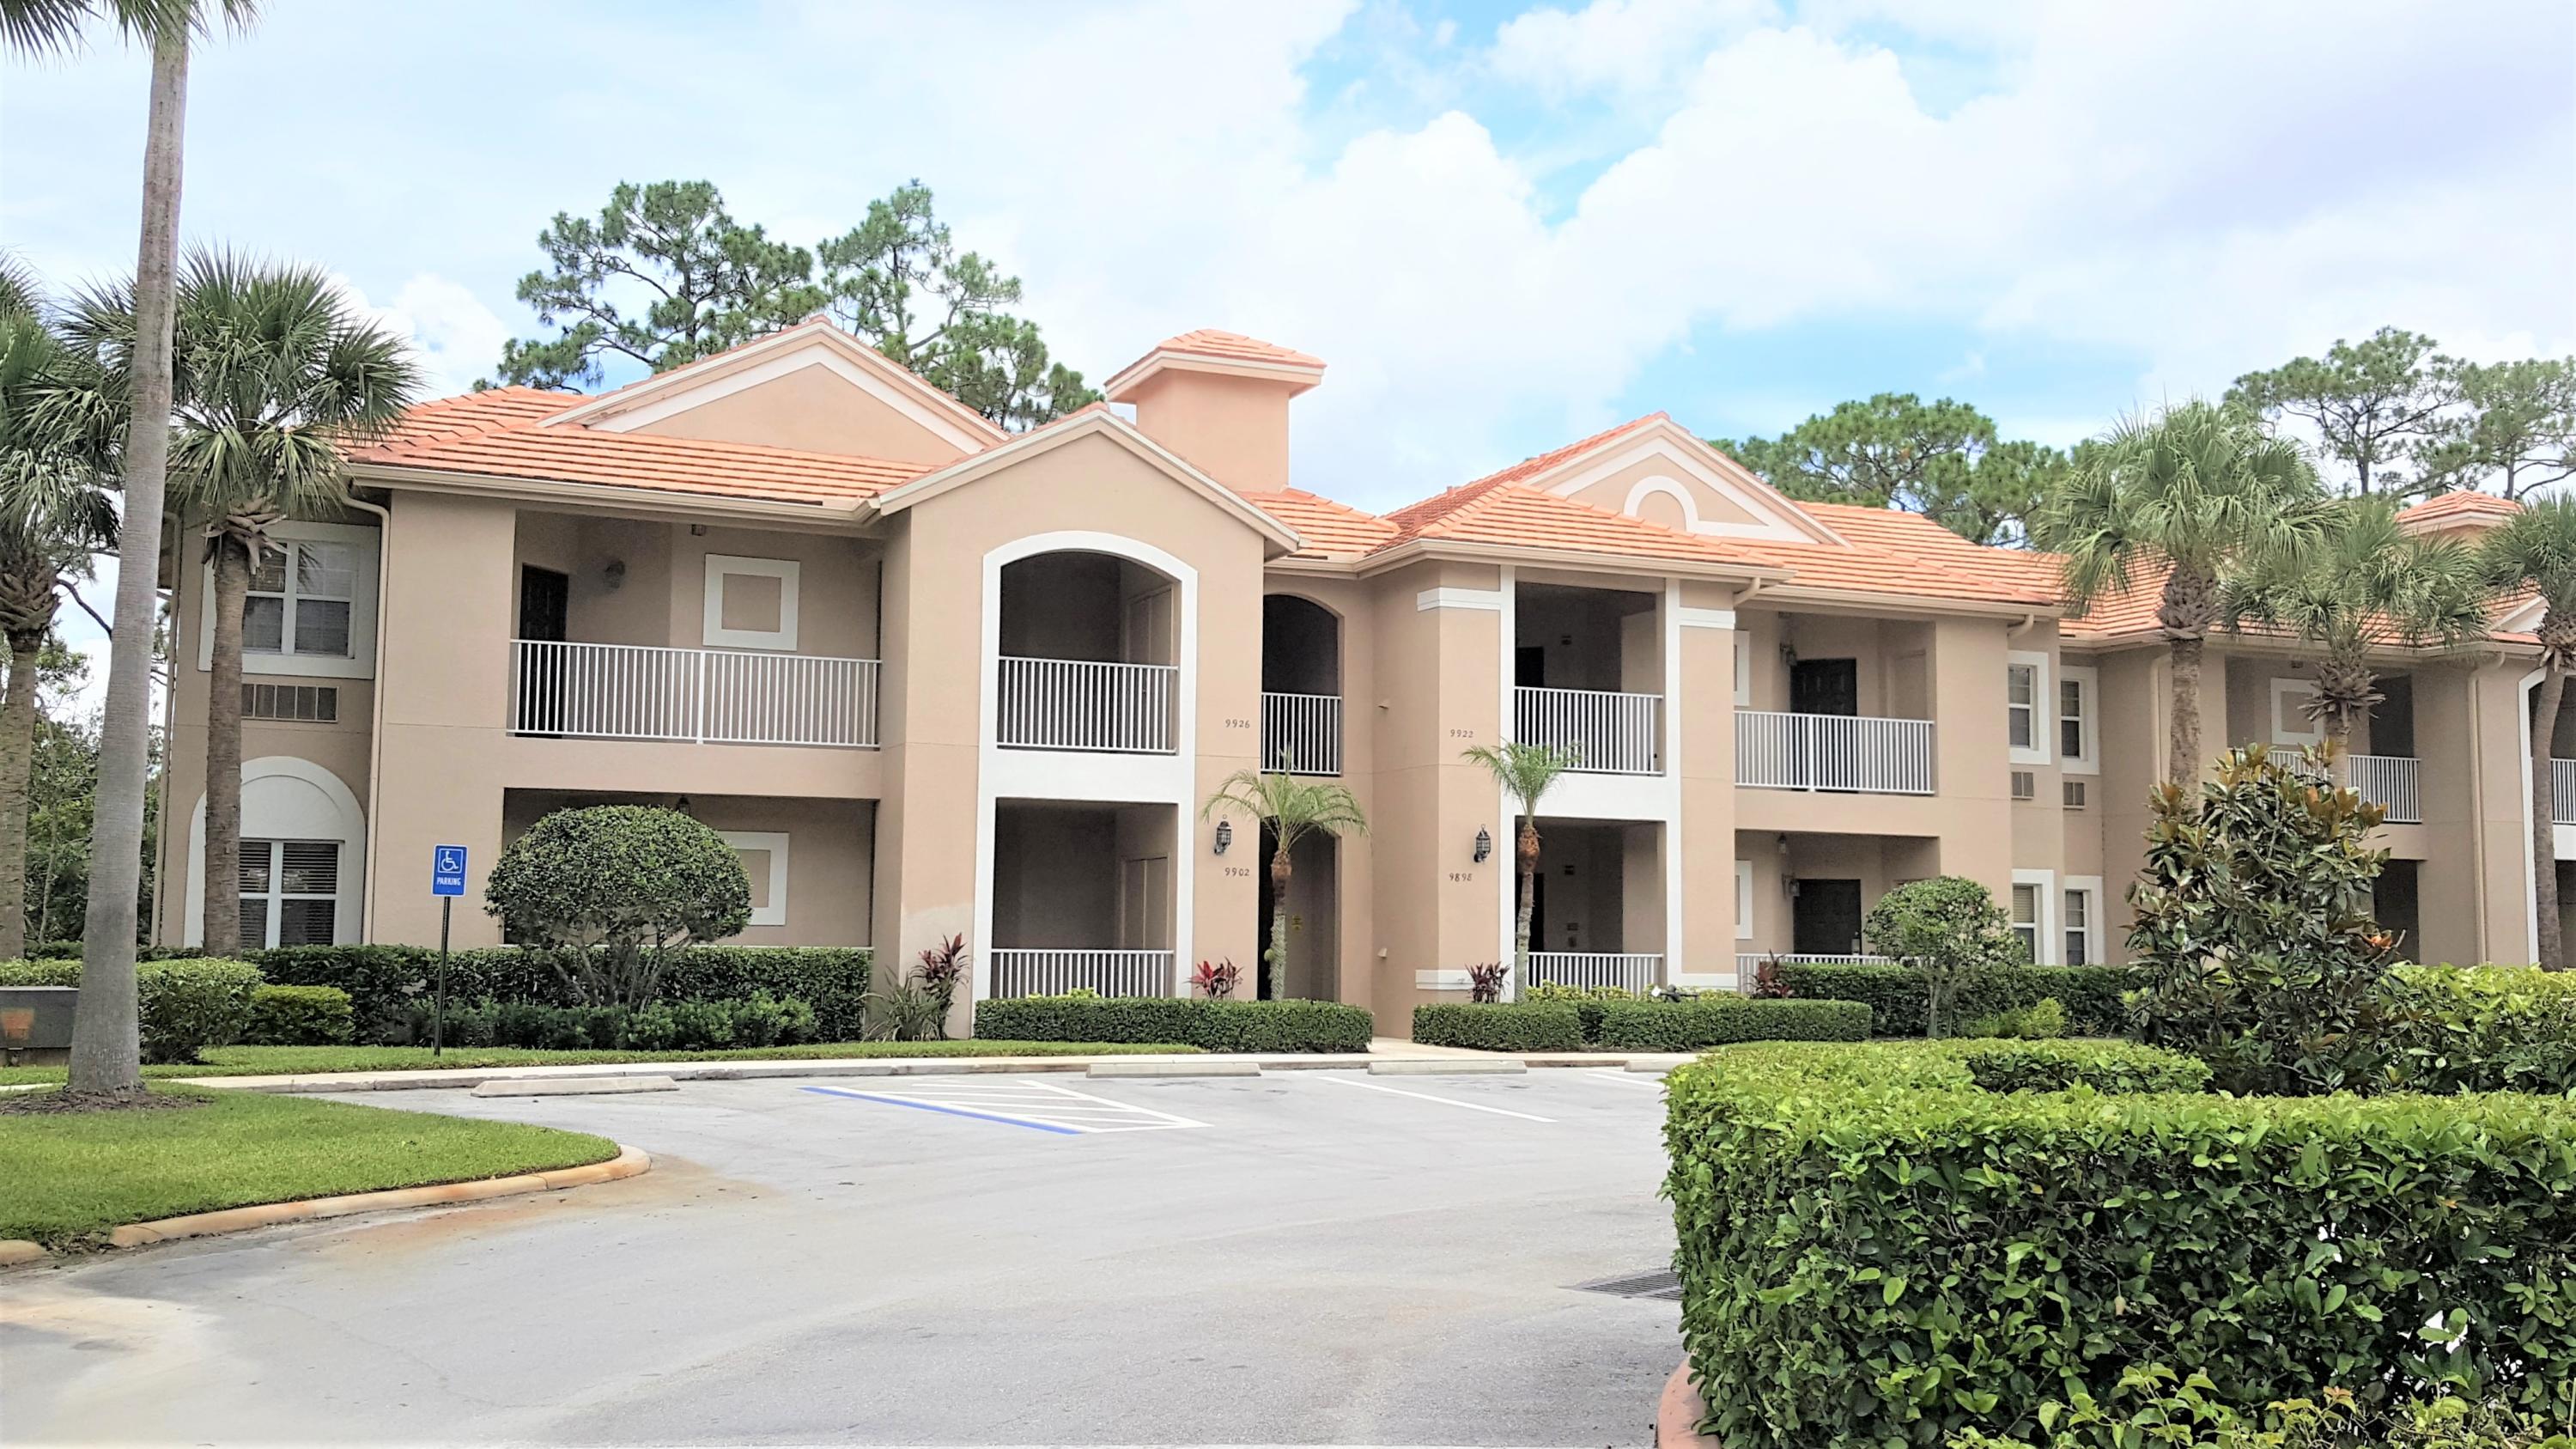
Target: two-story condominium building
{"type": "Point", "coordinates": [929, 678]}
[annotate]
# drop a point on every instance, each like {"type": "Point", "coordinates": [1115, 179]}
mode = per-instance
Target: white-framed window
{"type": "Point", "coordinates": [2291, 722]}
{"type": "Point", "coordinates": [290, 892]}
{"type": "Point", "coordinates": [751, 603]}
{"type": "Point", "coordinates": [2034, 911]}
{"type": "Point", "coordinates": [311, 609]}
{"type": "Point", "coordinates": [2081, 925]}
{"type": "Point", "coordinates": [2079, 718]}
{"type": "Point", "coordinates": [2025, 696]}
{"type": "Point", "coordinates": [764, 860]}
{"type": "Point", "coordinates": [1743, 671]}
{"type": "Point", "coordinates": [1743, 896]}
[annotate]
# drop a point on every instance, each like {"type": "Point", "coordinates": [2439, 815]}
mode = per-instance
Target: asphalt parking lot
{"type": "Point", "coordinates": [1305, 1258]}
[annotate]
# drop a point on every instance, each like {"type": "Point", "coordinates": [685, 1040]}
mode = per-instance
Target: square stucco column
{"type": "Point", "coordinates": [925, 846]}
{"type": "Point", "coordinates": [1971, 754]}
{"type": "Point", "coordinates": [442, 695]}
{"type": "Point", "coordinates": [1702, 723]}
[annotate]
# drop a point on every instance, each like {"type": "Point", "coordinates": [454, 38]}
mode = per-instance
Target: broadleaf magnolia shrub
{"type": "Point", "coordinates": [1518, 1026]}
{"type": "Point", "coordinates": [613, 891]}
{"type": "Point", "coordinates": [181, 1006]}
{"type": "Point", "coordinates": [2253, 921]}
{"type": "Point", "coordinates": [1874, 1250]}
{"type": "Point", "coordinates": [1945, 929]}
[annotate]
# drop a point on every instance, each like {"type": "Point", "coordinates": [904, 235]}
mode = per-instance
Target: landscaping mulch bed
{"type": "Point", "coordinates": [33, 1104]}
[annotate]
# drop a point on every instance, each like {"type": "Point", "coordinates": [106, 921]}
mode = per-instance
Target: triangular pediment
{"type": "Point", "coordinates": [1664, 474]}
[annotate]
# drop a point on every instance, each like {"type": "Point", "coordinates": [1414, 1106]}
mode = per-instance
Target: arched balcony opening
{"type": "Point", "coordinates": [1301, 687]}
{"type": "Point", "coordinates": [1089, 652]}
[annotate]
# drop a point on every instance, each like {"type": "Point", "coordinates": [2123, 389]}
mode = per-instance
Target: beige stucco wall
{"type": "Point", "coordinates": [812, 409]}
{"type": "Point", "coordinates": [1611, 491]}
{"type": "Point", "coordinates": [1234, 429]}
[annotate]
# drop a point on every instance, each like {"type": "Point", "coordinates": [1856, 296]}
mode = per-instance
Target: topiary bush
{"type": "Point", "coordinates": [1217, 1026]}
{"type": "Point", "coordinates": [1874, 1249]}
{"type": "Point", "coordinates": [1944, 930]}
{"type": "Point", "coordinates": [1719, 1019]}
{"type": "Point", "coordinates": [1520, 1026]}
{"type": "Point", "coordinates": [611, 892]}
{"type": "Point", "coordinates": [300, 1016]}
{"type": "Point", "coordinates": [2253, 922]}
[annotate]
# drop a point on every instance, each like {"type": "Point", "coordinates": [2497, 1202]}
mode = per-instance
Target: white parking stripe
{"type": "Point", "coordinates": [1616, 1077]}
{"type": "Point", "coordinates": [1426, 1097]}
{"type": "Point", "coordinates": [1041, 1104]}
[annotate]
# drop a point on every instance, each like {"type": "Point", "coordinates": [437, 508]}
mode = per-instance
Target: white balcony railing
{"type": "Point", "coordinates": [1748, 962]}
{"type": "Point", "coordinates": [1301, 734]}
{"type": "Point", "coordinates": [2562, 792]}
{"type": "Point", "coordinates": [2389, 781]}
{"type": "Point", "coordinates": [1018, 972]}
{"type": "Point", "coordinates": [1779, 751]}
{"type": "Point", "coordinates": [1609, 733]}
{"type": "Point", "coordinates": [1082, 704]}
{"type": "Point", "coordinates": [1629, 972]}
{"type": "Point", "coordinates": [714, 696]}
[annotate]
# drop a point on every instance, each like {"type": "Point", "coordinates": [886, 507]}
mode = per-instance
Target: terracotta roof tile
{"type": "Point", "coordinates": [1534, 466]}
{"type": "Point", "coordinates": [2460, 507]}
{"type": "Point", "coordinates": [1331, 530]}
{"type": "Point", "coordinates": [1212, 342]}
{"type": "Point", "coordinates": [1508, 515]}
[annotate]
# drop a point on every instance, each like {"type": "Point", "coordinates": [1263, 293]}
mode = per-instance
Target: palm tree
{"type": "Point", "coordinates": [2536, 551]}
{"type": "Point", "coordinates": [2370, 586]}
{"type": "Point", "coordinates": [106, 1046]}
{"type": "Point", "coordinates": [1293, 809]}
{"type": "Point", "coordinates": [274, 371]}
{"type": "Point", "coordinates": [1526, 772]}
{"type": "Point", "coordinates": [2198, 491]}
{"type": "Point", "coordinates": [53, 513]}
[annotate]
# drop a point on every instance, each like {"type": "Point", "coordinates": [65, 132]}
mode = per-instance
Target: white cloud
{"type": "Point", "coordinates": [1613, 45]}
{"type": "Point", "coordinates": [459, 338]}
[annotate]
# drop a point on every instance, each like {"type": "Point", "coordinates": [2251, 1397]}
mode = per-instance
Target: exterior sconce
{"type": "Point", "coordinates": [1484, 845]}
{"type": "Point", "coordinates": [1224, 835]}
{"type": "Point", "coordinates": [614, 575]}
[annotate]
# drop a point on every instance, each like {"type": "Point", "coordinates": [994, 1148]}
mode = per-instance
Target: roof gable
{"type": "Point", "coordinates": [1657, 457]}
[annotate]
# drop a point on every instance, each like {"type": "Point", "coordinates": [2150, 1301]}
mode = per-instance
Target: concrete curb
{"type": "Point", "coordinates": [1175, 1067]}
{"type": "Point", "coordinates": [578, 1087]}
{"type": "Point", "coordinates": [628, 1162]}
{"type": "Point", "coordinates": [1446, 1067]}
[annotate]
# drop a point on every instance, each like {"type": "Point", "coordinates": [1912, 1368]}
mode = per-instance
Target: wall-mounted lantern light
{"type": "Point", "coordinates": [1484, 845]}
{"type": "Point", "coordinates": [614, 575]}
{"type": "Point", "coordinates": [1224, 835]}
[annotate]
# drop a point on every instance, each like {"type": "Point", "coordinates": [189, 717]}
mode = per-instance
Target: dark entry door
{"type": "Point", "coordinates": [1825, 686]}
{"type": "Point", "coordinates": [1826, 921]}
{"type": "Point", "coordinates": [545, 598]}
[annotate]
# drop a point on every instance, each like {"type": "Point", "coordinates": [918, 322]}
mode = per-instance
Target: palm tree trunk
{"type": "Point", "coordinates": [17, 764]}
{"type": "Point", "coordinates": [1275, 960]}
{"type": "Point", "coordinates": [222, 864]}
{"type": "Point", "coordinates": [2544, 829]}
{"type": "Point", "coordinates": [2338, 734]}
{"type": "Point", "coordinates": [2182, 741]}
{"type": "Point", "coordinates": [1528, 854]}
{"type": "Point", "coordinates": [107, 1052]}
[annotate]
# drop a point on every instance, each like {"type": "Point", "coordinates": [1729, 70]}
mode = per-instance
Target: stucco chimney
{"type": "Point", "coordinates": [1220, 400]}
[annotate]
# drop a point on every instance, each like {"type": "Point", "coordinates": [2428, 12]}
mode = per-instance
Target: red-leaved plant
{"type": "Point", "coordinates": [1769, 982]}
{"type": "Point", "coordinates": [1216, 978]}
{"type": "Point", "coordinates": [938, 972]}
{"type": "Point", "coordinates": [1485, 981]}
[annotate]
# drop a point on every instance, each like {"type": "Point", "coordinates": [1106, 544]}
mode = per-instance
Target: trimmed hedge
{"type": "Point", "coordinates": [1523, 1026]}
{"type": "Point", "coordinates": [1875, 1250]}
{"type": "Point", "coordinates": [2485, 1029]}
{"type": "Point", "coordinates": [1217, 1026]}
{"type": "Point", "coordinates": [1698, 1022]}
{"type": "Point", "coordinates": [2090, 994]}
{"type": "Point", "coordinates": [299, 1016]}
{"type": "Point", "coordinates": [183, 1006]}
{"type": "Point", "coordinates": [757, 1020]}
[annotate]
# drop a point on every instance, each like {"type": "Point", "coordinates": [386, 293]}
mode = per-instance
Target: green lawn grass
{"type": "Point", "coordinates": [249, 1061]}
{"type": "Point", "coordinates": [72, 1175]}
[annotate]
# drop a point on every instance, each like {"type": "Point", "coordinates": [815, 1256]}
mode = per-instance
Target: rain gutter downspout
{"type": "Point", "coordinates": [376, 718]}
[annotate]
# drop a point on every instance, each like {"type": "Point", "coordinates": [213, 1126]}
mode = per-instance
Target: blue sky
{"type": "Point", "coordinates": [1503, 225]}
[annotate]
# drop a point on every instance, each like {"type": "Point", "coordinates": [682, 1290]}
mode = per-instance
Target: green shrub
{"type": "Point", "coordinates": [611, 892]}
{"type": "Point", "coordinates": [1719, 1019]}
{"type": "Point", "coordinates": [299, 1016]}
{"type": "Point", "coordinates": [2090, 994]}
{"type": "Point", "coordinates": [2042, 1020]}
{"type": "Point", "coordinates": [2052, 1066]}
{"type": "Point", "coordinates": [1875, 1250]}
{"type": "Point", "coordinates": [1944, 930]}
{"type": "Point", "coordinates": [1522, 1026]}
{"type": "Point", "coordinates": [758, 1021]}
{"type": "Point", "coordinates": [2253, 922]}
{"type": "Point", "coordinates": [1217, 1026]}
{"type": "Point", "coordinates": [183, 1006]}
{"type": "Point", "coordinates": [1586, 1001]}
{"type": "Point", "coordinates": [682, 1025]}
{"type": "Point", "coordinates": [2490, 1029]}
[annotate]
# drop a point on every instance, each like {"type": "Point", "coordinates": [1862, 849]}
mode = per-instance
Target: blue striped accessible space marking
{"type": "Point", "coordinates": [951, 1111]}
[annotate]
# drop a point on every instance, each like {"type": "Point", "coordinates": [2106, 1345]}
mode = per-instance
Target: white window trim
{"type": "Point", "coordinates": [1743, 669]}
{"type": "Point", "coordinates": [2286, 711]}
{"type": "Point", "coordinates": [2044, 942]}
{"type": "Point", "coordinates": [2043, 707]}
{"type": "Point", "coordinates": [1743, 896]}
{"type": "Point", "coordinates": [2090, 887]}
{"type": "Point", "coordinates": [775, 842]}
{"type": "Point", "coordinates": [2090, 678]}
{"type": "Point", "coordinates": [360, 661]}
{"type": "Point", "coordinates": [785, 570]}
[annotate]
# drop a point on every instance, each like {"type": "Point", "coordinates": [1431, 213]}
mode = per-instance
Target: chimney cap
{"type": "Point", "coordinates": [1225, 354]}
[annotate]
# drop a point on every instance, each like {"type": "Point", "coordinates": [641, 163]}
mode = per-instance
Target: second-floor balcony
{"type": "Point", "coordinates": [2389, 781]}
{"type": "Point", "coordinates": [2562, 792]}
{"type": "Point", "coordinates": [1606, 732]}
{"type": "Point", "coordinates": [707, 696]}
{"type": "Point", "coordinates": [1301, 734]}
{"type": "Point", "coordinates": [1086, 704]}
{"type": "Point", "coordinates": [1776, 750]}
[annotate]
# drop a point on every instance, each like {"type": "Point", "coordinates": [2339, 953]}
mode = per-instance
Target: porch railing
{"type": "Point", "coordinates": [1629, 971]}
{"type": "Point", "coordinates": [1083, 704]}
{"type": "Point", "coordinates": [1748, 962]}
{"type": "Point", "coordinates": [1609, 733]}
{"type": "Point", "coordinates": [1025, 972]}
{"type": "Point", "coordinates": [1775, 750]}
{"type": "Point", "coordinates": [715, 696]}
{"type": "Point", "coordinates": [1301, 734]}
{"type": "Point", "coordinates": [2562, 792]}
{"type": "Point", "coordinates": [2389, 781]}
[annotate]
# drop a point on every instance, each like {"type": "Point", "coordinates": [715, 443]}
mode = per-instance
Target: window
{"type": "Point", "coordinates": [1743, 670]}
{"type": "Point", "coordinates": [2073, 792]}
{"type": "Point", "coordinates": [290, 892]}
{"type": "Point", "coordinates": [2025, 687]}
{"type": "Point", "coordinates": [2078, 725]}
{"type": "Point", "coordinates": [318, 703]}
{"type": "Point", "coordinates": [2082, 923]}
{"type": "Point", "coordinates": [311, 608]}
{"type": "Point", "coordinates": [764, 860]}
{"type": "Point", "coordinates": [2291, 722]}
{"type": "Point", "coordinates": [751, 603]}
{"type": "Point", "coordinates": [1743, 895]}
{"type": "Point", "coordinates": [2032, 891]}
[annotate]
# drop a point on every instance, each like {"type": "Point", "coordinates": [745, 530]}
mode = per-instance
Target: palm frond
{"type": "Point", "coordinates": [1525, 771]}
{"type": "Point", "coordinates": [1291, 805]}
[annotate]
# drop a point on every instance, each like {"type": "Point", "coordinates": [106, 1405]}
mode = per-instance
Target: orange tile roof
{"type": "Point", "coordinates": [1534, 466]}
{"type": "Point", "coordinates": [1508, 515]}
{"type": "Point", "coordinates": [1331, 530]}
{"type": "Point", "coordinates": [1211, 342]}
{"type": "Point", "coordinates": [2466, 504]}
{"type": "Point", "coordinates": [500, 438]}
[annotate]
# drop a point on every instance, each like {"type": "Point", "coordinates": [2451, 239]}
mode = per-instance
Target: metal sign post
{"type": "Point", "coordinates": [447, 882]}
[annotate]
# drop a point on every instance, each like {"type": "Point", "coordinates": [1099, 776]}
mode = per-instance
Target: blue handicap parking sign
{"type": "Point", "coordinates": [447, 870]}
